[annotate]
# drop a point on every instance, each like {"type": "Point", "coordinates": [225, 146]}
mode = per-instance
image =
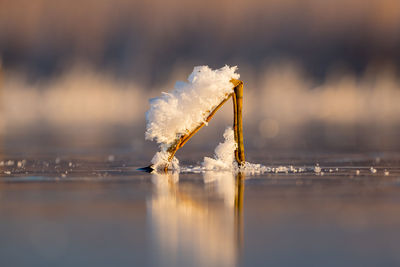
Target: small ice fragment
{"type": "Point", "coordinates": [110, 158]}
{"type": "Point", "coordinates": [357, 172]}
{"type": "Point", "coordinates": [386, 173]}
{"type": "Point", "coordinates": [373, 170]}
{"type": "Point", "coordinates": [317, 168]}
{"type": "Point", "coordinates": [283, 169]}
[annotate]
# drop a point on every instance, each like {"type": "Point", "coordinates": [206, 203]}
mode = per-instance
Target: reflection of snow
{"type": "Point", "coordinates": [224, 182]}
{"type": "Point", "coordinates": [187, 229]}
{"type": "Point", "coordinates": [162, 181]}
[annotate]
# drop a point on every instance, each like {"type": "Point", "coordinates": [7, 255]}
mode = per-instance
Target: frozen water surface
{"type": "Point", "coordinates": [70, 206]}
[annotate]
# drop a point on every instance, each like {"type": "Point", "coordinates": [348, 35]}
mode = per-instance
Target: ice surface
{"type": "Point", "coordinates": [174, 216]}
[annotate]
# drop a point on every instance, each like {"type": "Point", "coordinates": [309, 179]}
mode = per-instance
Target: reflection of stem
{"type": "Point", "coordinates": [239, 194]}
{"type": "Point", "coordinates": [237, 98]}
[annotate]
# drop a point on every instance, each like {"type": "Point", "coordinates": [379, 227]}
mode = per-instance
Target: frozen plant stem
{"type": "Point", "coordinates": [237, 99]}
{"type": "Point", "coordinates": [238, 121]}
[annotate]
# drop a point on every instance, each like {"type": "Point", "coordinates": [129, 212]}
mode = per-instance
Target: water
{"type": "Point", "coordinates": [66, 207]}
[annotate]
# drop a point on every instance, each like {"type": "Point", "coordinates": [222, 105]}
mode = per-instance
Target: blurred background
{"type": "Point", "coordinates": [319, 75]}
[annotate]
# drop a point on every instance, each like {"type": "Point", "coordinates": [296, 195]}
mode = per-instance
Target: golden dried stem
{"type": "Point", "coordinates": [238, 121]}
{"type": "Point", "coordinates": [237, 98]}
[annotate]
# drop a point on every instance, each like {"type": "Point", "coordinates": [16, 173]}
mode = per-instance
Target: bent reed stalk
{"type": "Point", "coordinates": [237, 99]}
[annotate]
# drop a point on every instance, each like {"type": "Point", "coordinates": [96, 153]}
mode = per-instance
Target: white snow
{"type": "Point", "coordinates": [175, 113]}
{"type": "Point", "coordinates": [160, 159]}
{"type": "Point", "coordinates": [224, 154]}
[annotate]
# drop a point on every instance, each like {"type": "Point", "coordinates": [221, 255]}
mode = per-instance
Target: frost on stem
{"type": "Point", "coordinates": [161, 159]}
{"type": "Point", "coordinates": [176, 116]}
{"type": "Point", "coordinates": [224, 158]}
{"type": "Point", "coordinates": [178, 112]}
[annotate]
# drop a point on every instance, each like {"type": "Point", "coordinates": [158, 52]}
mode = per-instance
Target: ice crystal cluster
{"type": "Point", "coordinates": [224, 155]}
{"type": "Point", "coordinates": [176, 113]}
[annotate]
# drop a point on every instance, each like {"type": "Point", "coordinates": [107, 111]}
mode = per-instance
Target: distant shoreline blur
{"type": "Point", "coordinates": [284, 108]}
